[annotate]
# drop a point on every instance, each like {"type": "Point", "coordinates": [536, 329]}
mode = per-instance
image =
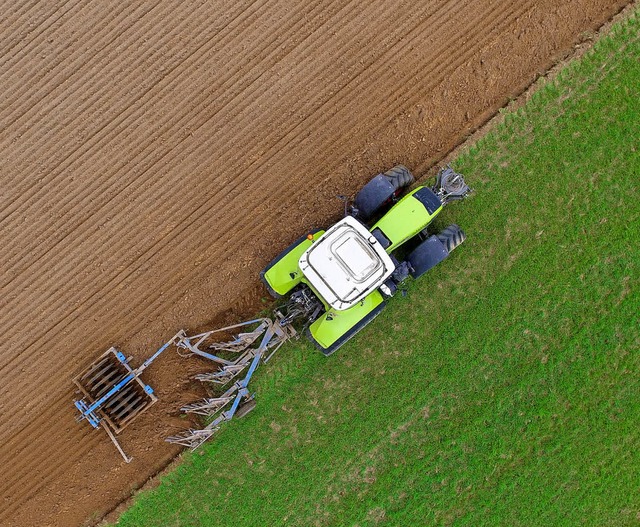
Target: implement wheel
{"type": "Point", "coordinates": [245, 408]}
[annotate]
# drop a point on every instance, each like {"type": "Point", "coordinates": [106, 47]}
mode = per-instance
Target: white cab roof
{"type": "Point", "coordinates": [345, 264]}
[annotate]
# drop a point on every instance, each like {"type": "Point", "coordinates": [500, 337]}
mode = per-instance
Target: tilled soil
{"type": "Point", "coordinates": [157, 154]}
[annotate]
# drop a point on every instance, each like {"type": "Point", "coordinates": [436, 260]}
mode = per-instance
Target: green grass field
{"type": "Point", "coordinates": [504, 388]}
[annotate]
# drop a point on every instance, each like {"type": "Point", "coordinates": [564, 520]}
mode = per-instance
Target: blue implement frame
{"type": "Point", "coordinates": [93, 410]}
{"type": "Point", "coordinates": [252, 350]}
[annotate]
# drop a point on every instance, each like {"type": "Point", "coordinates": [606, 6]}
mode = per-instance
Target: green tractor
{"type": "Point", "coordinates": [338, 280]}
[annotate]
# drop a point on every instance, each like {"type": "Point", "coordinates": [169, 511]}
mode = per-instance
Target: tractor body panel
{"type": "Point", "coordinates": [408, 217]}
{"type": "Point", "coordinates": [335, 327]}
{"type": "Point", "coordinates": [345, 264]}
{"type": "Point", "coordinates": [283, 273]}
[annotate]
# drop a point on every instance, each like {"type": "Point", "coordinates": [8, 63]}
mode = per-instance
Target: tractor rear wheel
{"type": "Point", "coordinates": [451, 237]}
{"type": "Point", "coordinates": [400, 177]}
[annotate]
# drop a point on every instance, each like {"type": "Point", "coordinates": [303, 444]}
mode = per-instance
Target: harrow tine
{"type": "Point", "coordinates": [192, 438]}
{"type": "Point", "coordinates": [241, 341]}
{"type": "Point", "coordinates": [91, 371]}
{"type": "Point", "coordinates": [99, 375]}
{"type": "Point", "coordinates": [222, 376]}
{"type": "Point", "coordinates": [207, 407]}
{"type": "Point", "coordinates": [123, 404]}
{"type": "Point", "coordinates": [130, 410]}
{"type": "Point", "coordinates": [107, 383]}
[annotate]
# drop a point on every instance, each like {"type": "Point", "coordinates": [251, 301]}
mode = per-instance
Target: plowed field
{"type": "Point", "coordinates": [156, 155]}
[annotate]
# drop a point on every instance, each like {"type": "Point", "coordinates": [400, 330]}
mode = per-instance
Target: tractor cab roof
{"type": "Point", "coordinates": [346, 264]}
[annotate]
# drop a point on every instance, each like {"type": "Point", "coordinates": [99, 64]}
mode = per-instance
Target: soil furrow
{"type": "Point", "coordinates": [186, 228]}
{"type": "Point", "coordinates": [62, 212]}
{"type": "Point", "coordinates": [150, 44]}
{"type": "Point", "coordinates": [12, 40]}
{"type": "Point", "coordinates": [43, 193]}
{"type": "Point", "coordinates": [73, 45]}
{"type": "Point", "coordinates": [133, 195]}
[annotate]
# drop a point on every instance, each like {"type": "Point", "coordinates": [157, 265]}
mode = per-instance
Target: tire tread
{"type": "Point", "coordinates": [451, 237]}
{"type": "Point", "coordinates": [399, 176]}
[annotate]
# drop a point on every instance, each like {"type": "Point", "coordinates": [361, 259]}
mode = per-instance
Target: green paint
{"type": "Point", "coordinates": [286, 274]}
{"type": "Point", "coordinates": [405, 219]}
{"type": "Point", "coordinates": [334, 324]}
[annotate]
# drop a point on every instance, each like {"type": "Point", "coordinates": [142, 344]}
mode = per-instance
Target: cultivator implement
{"type": "Point", "coordinates": [113, 393]}
{"type": "Point", "coordinates": [249, 349]}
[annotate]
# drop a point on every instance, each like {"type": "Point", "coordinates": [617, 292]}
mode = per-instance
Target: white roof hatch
{"type": "Point", "coordinates": [345, 264]}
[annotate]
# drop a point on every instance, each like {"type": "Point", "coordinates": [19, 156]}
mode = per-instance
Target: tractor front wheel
{"type": "Point", "coordinates": [451, 237]}
{"type": "Point", "coordinates": [400, 177]}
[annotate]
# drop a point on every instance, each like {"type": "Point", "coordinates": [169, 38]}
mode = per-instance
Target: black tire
{"type": "Point", "coordinates": [245, 408]}
{"type": "Point", "coordinates": [451, 237]}
{"type": "Point", "coordinates": [373, 197]}
{"type": "Point", "coordinates": [400, 177]}
{"type": "Point", "coordinates": [425, 256]}
{"type": "Point", "coordinates": [382, 191]}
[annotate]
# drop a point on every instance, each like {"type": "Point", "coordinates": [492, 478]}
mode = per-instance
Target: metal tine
{"type": "Point", "coordinates": [118, 398]}
{"type": "Point", "coordinates": [93, 368]}
{"type": "Point", "coordinates": [207, 407]}
{"type": "Point", "coordinates": [192, 438]}
{"type": "Point", "coordinates": [105, 376]}
{"type": "Point", "coordinates": [131, 409]}
{"type": "Point", "coordinates": [107, 383]}
{"type": "Point", "coordinates": [125, 404]}
{"type": "Point", "coordinates": [245, 358]}
{"type": "Point", "coordinates": [103, 385]}
{"type": "Point", "coordinates": [222, 376]}
{"type": "Point", "coordinates": [116, 407]}
{"type": "Point", "coordinates": [127, 414]}
{"type": "Point", "coordinates": [121, 400]}
{"type": "Point", "coordinates": [241, 342]}
{"type": "Point", "coordinates": [276, 347]}
{"type": "Point", "coordinates": [99, 374]}
{"type": "Point", "coordinates": [196, 340]}
{"type": "Point", "coordinates": [241, 359]}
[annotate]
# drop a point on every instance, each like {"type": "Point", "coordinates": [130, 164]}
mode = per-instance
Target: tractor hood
{"type": "Point", "coordinates": [346, 264]}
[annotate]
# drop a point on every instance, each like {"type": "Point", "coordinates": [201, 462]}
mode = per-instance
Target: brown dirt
{"type": "Point", "coordinates": [158, 154]}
